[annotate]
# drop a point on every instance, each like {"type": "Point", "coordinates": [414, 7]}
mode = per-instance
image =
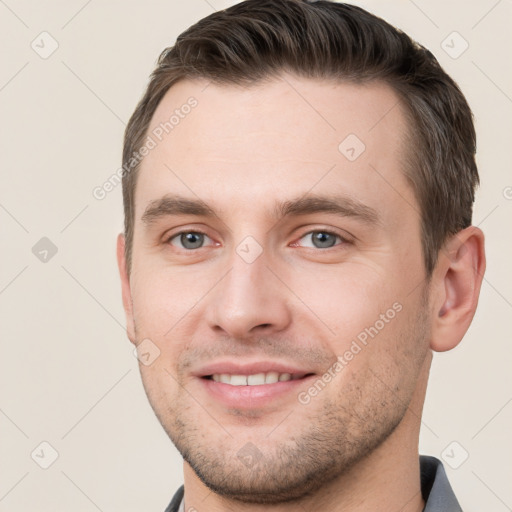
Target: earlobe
{"type": "Point", "coordinates": [458, 278]}
{"type": "Point", "coordinates": [125, 287]}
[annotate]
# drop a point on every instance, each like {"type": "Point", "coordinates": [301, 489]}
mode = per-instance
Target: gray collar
{"type": "Point", "coordinates": [436, 489]}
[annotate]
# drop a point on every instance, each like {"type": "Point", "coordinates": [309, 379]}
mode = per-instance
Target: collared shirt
{"type": "Point", "coordinates": [436, 489]}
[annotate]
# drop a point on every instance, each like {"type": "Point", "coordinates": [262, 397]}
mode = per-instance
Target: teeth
{"type": "Point", "coordinates": [225, 378]}
{"type": "Point", "coordinates": [238, 380]}
{"type": "Point", "coordinates": [271, 378]}
{"type": "Point", "coordinates": [257, 379]}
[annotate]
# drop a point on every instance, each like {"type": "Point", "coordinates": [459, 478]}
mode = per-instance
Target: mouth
{"type": "Point", "coordinates": [255, 379]}
{"type": "Point", "coordinates": [252, 385]}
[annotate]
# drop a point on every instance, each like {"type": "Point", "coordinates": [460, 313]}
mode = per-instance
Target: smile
{"type": "Point", "coordinates": [256, 379]}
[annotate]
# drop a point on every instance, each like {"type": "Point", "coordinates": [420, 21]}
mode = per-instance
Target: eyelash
{"type": "Point", "coordinates": [179, 233]}
{"type": "Point", "coordinates": [343, 240]}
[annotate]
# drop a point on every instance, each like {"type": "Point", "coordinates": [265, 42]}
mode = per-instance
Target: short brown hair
{"type": "Point", "coordinates": [258, 39]}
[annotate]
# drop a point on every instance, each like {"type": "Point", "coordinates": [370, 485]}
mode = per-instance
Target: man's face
{"type": "Point", "coordinates": [288, 264]}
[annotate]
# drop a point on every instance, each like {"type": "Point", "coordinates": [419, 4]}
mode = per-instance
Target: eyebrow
{"type": "Point", "coordinates": [175, 205]}
{"type": "Point", "coordinates": [341, 205]}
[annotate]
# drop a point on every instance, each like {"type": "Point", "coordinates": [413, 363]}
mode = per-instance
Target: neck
{"type": "Point", "coordinates": [387, 479]}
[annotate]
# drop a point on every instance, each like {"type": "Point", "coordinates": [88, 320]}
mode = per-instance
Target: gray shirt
{"type": "Point", "coordinates": [436, 489]}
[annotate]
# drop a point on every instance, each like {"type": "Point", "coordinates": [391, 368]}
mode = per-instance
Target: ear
{"type": "Point", "coordinates": [457, 280]}
{"type": "Point", "coordinates": [125, 287]}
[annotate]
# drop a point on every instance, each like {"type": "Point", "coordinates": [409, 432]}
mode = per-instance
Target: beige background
{"type": "Point", "coordinates": [67, 373]}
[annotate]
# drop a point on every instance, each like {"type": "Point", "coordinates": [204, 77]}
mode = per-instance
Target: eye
{"type": "Point", "coordinates": [189, 240]}
{"type": "Point", "coordinates": [320, 240]}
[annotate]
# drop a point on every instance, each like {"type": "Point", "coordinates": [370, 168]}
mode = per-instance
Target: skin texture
{"type": "Point", "coordinates": [354, 445]}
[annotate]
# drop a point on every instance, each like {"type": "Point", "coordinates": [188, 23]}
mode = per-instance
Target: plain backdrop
{"type": "Point", "coordinates": [68, 376]}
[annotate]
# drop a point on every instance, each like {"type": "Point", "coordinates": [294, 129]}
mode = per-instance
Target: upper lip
{"type": "Point", "coordinates": [251, 368]}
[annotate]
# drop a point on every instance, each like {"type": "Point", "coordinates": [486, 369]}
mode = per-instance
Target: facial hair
{"type": "Point", "coordinates": [348, 427]}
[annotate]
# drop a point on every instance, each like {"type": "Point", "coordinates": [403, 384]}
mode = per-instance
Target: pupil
{"type": "Point", "coordinates": [192, 240]}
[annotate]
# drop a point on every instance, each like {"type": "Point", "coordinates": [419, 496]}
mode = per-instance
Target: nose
{"type": "Point", "coordinates": [249, 301]}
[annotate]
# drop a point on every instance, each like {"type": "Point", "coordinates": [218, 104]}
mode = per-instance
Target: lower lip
{"type": "Point", "coordinates": [249, 397]}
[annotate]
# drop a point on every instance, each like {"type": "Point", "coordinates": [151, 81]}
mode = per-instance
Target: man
{"type": "Point", "coordinates": [298, 189]}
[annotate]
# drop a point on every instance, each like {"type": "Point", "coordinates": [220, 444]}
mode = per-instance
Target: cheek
{"type": "Point", "coordinates": [163, 298]}
{"type": "Point", "coordinates": [346, 300]}
{"type": "Point", "coordinates": [168, 306]}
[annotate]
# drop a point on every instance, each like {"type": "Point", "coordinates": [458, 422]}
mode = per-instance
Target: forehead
{"type": "Point", "coordinates": [281, 137]}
